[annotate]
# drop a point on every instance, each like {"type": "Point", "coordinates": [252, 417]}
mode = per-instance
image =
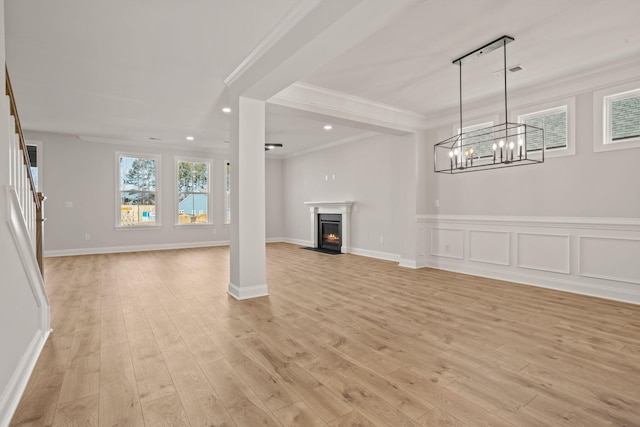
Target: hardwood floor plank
{"type": "Point", "coordinates": [38, 404]}
{"type": "Point", "coordinates": [119, 400]}
{"type": "Point", "coordinates": [81, 412]}
{"type": "Point", "coordinates": [298, 414]}
{"type": "Point", "coordinates": [153, 337]}
{"type": "Point", "coordinates": [199, 400]}
{"type": "Point", "coordinates": [166, 411]}
{"type": "Point", "coordinates": [242, 403]}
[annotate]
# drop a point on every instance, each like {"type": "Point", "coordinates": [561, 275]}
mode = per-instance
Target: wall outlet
{"type": "Point", "coordinates": [333, 177]}
{"type": "Point", "coordinates": [326, 177]}
{"type": "Point", "coordinates": [87, 237]}
{"type": "Point", "coordinates": [381, 239]}
{"type": "Point", "coordinates": [437, 203]}
{"type": "Point", "coordinates": [68, 204]}
{"type": "Point", "coordinates": [215, 231]}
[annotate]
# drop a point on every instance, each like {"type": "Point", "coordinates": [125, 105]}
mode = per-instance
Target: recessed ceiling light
{"type": "Point", "coordinates": [226, 110]}
{"type": "Point", "coordinates": [190, 138]}
{"type": "Point", "coordinates": [328, 127]}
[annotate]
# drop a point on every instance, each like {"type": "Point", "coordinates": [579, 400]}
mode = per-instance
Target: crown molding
{"type": "Point", "coordinates": [315, 99]}
{"type": "Point", "coordinates": [335, 143]}
{"type": "Point", "coordinates": [556, 89]}
{"type": "Point", "coordinates": [286, 24]}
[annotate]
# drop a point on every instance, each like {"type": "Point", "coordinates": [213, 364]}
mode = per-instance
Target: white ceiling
{"type": "Point", "coordinates": [156, 69]}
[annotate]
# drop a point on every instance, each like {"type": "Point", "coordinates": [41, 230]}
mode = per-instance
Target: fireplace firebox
{"type": "Point", "coordinates": [330, 232]}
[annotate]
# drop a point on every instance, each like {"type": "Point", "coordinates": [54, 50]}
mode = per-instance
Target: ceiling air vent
{"type": "Point", "coordinates": [512, 69]}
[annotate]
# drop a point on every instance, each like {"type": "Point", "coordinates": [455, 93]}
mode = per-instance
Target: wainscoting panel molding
{"type": "Point", "coordinates": [544, 252]}
{"type": "Point", "coordinates": [609, 258]}
{"type": "Point", "coordinates": [447, 242]}
{"type": "Point", "coordinates": [591, 256]}
{"type": "Point", "coordinates": [491, 247]}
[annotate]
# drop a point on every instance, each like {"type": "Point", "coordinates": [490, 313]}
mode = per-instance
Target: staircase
{"type": "Point", "coordinates": [21, 184]}
{"type": "Point", "coordinates": [24, 306]}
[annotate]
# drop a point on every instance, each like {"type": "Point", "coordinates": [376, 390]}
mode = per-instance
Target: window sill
{"type": "Point", "coordinates": [138, 227]}
{"type": "Point", "coordinates": [196, 225]}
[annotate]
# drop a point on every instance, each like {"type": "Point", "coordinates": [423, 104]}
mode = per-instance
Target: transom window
{"type": "Point", "coordinates": [622, 117]}
{"type": "Point", "coordinates": [137, 190]}
{"type": "Point", "coordinates": [193, 192]}
{"type": "Point", "coordinates": [481, 136]}
{"type": "Point", "coordinates": [554, 123]}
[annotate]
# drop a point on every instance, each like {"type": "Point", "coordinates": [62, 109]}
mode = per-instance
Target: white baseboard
{"type": "Point", "coordinates": [274, 239]}
{"type": "Point", "coordinates": [589, 256]}
{"type": "Point", "coordinates": [138, 248]}
{"type": "Point", "coordinates": [12, 394]}
{"type": "Point", "coordinates": [566, 285]}
{"type": "Point", "coordinates": [247, 292]}
{"type": "Point", "coordinates": [306, 243]}
{"type": "Point", "coordinates": [408, 263]}
{"type": "Point", "coordinates": [375, 254]}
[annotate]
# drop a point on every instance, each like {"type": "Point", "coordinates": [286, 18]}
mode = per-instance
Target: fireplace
{"type": "Point", "coordinates": [336, 236]}
{"type": "Point", "coordinates": [330, 232]}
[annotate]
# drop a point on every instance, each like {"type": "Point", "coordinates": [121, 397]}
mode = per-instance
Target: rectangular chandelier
{"type": "Point", "coordinates": [500, 146]}
{"type": "Point", "coordinates": [504, 145]}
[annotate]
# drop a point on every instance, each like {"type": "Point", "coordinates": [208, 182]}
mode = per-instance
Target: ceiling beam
{"type": "Point", "coordinates": [311, 34]}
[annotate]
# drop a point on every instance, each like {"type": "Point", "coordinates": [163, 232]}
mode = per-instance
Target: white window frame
{"type": "Point", "coordinates": [569, 105]}
{"type": "Point", "coordinates": [176, 213]}
{"type": "Point", "coordinates": [118, 214]}
{"type": "Point", "coordinates": [602, 99]}
{"type": "Point", "coordinates": [226, 194]}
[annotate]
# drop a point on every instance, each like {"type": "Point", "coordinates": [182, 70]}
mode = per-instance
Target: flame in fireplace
{"type": "Point", "coordinates": [333, 238]}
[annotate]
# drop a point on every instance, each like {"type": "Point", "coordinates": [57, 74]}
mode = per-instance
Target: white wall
{"type": "Point", "coordinates": [572, 223]}
{"type": "Point", "coordinates": [83, 173]}
{"type": "Point", "coordinates": [24, 310]}
{"type": "Point", "coordinates": [587, 184]}
{"type": "Point", "coordinates": [376, 173]}
{"type": "Point", "coordinates": [274, 197]}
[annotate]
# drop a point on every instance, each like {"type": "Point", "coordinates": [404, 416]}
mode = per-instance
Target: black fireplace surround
{"type": "Point", "coordinates": [330, 232]}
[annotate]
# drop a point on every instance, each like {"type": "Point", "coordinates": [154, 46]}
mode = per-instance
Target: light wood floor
{"type": "Point", "coordinates": [153, 339]}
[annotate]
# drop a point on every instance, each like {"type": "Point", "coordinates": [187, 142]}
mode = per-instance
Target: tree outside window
{"type": "Point", "coordinates": [137, 191]}
{"type": "Point", "coordinates": [193, 192]}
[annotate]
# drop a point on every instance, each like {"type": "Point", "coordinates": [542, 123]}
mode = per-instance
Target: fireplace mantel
{"type": "Point", "coordinates": [340, 207]}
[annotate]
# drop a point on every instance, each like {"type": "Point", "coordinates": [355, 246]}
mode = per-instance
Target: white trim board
{"type": "Point", "coordinates": [139, 248]}
{"type": "Point", "coordinates": [594, 256]}
{"type": "Point", "coordinates": [12, 395]}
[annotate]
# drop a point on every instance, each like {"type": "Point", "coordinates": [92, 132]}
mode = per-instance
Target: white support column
{"type": "Point", "coordinates": [248, 229]}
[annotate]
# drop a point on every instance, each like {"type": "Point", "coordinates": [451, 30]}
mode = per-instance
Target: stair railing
{"type": "Point", "coordinates": [21, 179]}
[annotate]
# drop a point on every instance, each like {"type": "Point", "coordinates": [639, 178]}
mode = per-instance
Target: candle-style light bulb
{"type": "Point", "coordinates": [456, 152]}
{"type": "Point", "coordinates": [511, 145]}
{"type": "Point", "coordinates": [494, 152]}
{"type": "Point", "coordinates": [451, 159]}
{"type": "Point", "coordinates": [471, 155]}
{"type": "Point", "coordinates": [520, 149]}
{"type": "Point", "coordinates": [501, 144]}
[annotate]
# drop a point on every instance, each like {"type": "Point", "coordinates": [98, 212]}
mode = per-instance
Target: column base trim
{"type": "Point", "coordinates": [247, 292]}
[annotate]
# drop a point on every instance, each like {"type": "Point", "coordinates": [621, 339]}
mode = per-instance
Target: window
{"type": "Point", "coordinates": [622, 119]}
{"type": "Point", "coordinates": [557, 119]}
{"type": "Point", "coordinates": [616, 117]}
{"type": "Point", "coordinates": [193, 191]}
{"type": "Point", "coordinates": [227, 192]}
{"type": "Point", "coordinates": [481, 135]}
{"type": "Point", "coordinates": [554, 123]}
{"type": "Point", "coordinates": [34, 150]}
{"type": "Point", "coordinates": [137, 190]}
